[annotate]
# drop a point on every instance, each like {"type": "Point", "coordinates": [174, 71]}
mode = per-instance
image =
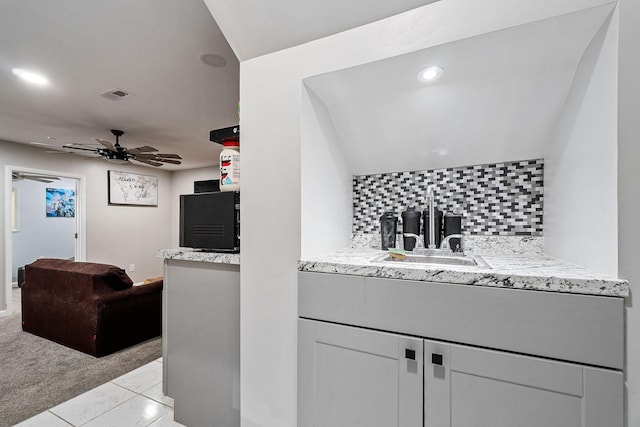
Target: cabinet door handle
{"type": "Point", "coordinates": [410, 354]}
{"type": "Point", "coordinates": [436, 359]}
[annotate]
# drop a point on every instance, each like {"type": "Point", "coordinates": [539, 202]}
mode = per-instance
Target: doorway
{"type": "Point", "coordinates": [44, 213]}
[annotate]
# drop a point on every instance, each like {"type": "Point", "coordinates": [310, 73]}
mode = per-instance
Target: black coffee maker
{"type": "Point", "coordinates": [410, 224]}
{"type": "Point", "coordinates": [453, 225]}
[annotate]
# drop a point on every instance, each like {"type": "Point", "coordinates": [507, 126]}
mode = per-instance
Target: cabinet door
{"type": "Point", "coordinates": [471, 387]}
{"type": "Point", "coordinates": [351, 377]}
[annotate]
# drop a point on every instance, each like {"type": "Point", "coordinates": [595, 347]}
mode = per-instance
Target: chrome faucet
{"type": "Point", "coordinates": [431, 207]}
{"type": "Point", "coordinates": [444, 248]}
{"type": "Point", "coordinates": [430, 248]}
{"type": "Point", "coordinates": [445, 241]}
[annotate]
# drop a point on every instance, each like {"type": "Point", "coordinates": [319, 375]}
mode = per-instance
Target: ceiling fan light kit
{"type": "Point", "coordinates": [118, 154]}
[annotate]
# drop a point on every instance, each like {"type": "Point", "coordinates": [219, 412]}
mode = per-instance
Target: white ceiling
{"type": "Point", "coordinates": [148, 47]}
{"type": "Point", "coordinates": [494, 85]}
{"type": "Point", "coordinates": [498, 100]}
{"type": "Point", "coordinates": [258, 27]}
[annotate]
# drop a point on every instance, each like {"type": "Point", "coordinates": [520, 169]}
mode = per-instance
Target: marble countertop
{"type": "Point", "coordinates": [540, 273]}
{"type": "Point", "coordinates": [201, 256]}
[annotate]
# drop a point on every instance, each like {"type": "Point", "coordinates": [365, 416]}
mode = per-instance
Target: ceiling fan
{"type": "Point", "coordinates": [117, 153]}
{"type": "Point", "coordinates": [19, 176]}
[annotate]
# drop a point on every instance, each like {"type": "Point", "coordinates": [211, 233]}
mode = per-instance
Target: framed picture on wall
{"type": "Point", "coordinates": [61, 202]}
{"type": "Point", "coordinates": [127, 188]}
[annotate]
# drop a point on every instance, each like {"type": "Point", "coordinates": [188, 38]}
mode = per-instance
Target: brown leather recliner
{"type": "Point", "coordinates": [90, 307]}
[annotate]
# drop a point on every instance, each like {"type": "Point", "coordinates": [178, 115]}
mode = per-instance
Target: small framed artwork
{"type": "Point", "coordinates": [61, 202]}
{"type": "Point", "coordinates": [132, 189]}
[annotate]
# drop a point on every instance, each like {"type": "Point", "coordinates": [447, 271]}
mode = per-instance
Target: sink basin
{"type": "Point", "coordinates": [475, 261]}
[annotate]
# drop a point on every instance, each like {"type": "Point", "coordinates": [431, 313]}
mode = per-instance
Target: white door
{"type": "Point", "coordinates": [46, 225]}
{"type": "Point", "coordinates": [473, 387]}
{"type": "Point", "coordinates": [45, 218]}
{"type": "Point", "coordinates": [351, 377]}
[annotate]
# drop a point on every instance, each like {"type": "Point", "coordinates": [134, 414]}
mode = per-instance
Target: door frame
{"type": "Point", "coordinates": [81, 223]}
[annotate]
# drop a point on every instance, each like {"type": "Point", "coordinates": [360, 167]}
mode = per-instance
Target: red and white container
{"type": "Point", "coordinates": [230, 165]}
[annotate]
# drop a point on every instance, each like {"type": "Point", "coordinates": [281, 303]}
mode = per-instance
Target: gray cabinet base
{"type": "Point", "coordinates": [577, 328]}
{"type": "Point", "coordinates": [484, 382]}
{"type": "Point", "coordinates": [201, 357]}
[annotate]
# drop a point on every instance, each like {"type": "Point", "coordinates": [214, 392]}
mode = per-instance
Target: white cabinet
{"type": "Point", "coordinates": [351, 377]}
{"type": "Point", "coordinates": [491, 357]}
{"type": "Point", "coordinates": [474, 387]}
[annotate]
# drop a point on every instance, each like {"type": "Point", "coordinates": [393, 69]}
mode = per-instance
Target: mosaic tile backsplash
{"type": "Point", "coordinates": [499, 199]}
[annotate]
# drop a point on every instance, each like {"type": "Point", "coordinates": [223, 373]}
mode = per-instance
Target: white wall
{"type": "Point", "coordinates": [326, 198]}
{"type": "Point", "coordinates": [38, 235]}
{"type": "Point", "coordinates": [629, 192]}
{"type": "Point", "coordinates": [182, 183]}
{"type": "Point", "coordinates": [119, 235]}
{"type": "Point", "coordinates": [580, 188]}
{"type": "Point", "coordinates": [272, 161]}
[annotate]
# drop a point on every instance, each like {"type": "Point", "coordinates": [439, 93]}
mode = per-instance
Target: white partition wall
{"type": "Point", "coordinates": [326, 180]}
{"type": "Point", "coordinates": [275, 162]}
{"type": "Point", "coordinates": [629, 193]}
{"type": "Point", "coordinates": [581, 161]}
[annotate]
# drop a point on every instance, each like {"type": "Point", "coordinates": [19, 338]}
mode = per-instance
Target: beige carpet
{"type": "Point", "coordinates": [37, 374]}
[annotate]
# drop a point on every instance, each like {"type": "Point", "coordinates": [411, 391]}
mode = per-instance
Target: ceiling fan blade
{"type": "Point", "coordinates": [79, 147]}
{"type": "Point", "coordinates": [144, 149]}
{"type": "Point", "coordinates": [149, 156]}
{"type": "Point", "coordinates": [149, 162]}
{"type": "Point", "coordinates": [30, 175]}
{"type": "Point", "coordinates": [44, 145]}
{"type": "Point", "coordinates": [45, 177]}
{"type": "Point", "coordinates": [17, 176]}
{"type": "Point", "coordinates": [156, 158]}
{"type": "Point", "coordinates": [107, 144]}
{"type": "Point", "coordinates": [173, 162]}
{"type": "Point", "coordinates": [169, 156]}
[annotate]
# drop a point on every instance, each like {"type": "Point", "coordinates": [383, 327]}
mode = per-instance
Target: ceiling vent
{"type": "Point", "coordinates": [116, 94]}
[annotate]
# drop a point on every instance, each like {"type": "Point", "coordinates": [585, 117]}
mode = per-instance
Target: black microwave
{"type": "Point", "coordinates": [210, 221]}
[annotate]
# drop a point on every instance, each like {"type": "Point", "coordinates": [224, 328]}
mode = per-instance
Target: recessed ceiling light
{"type": "Point", "coordinates": [430, 74]}
{"type": "Point", "coordinates": [30, 76]}
{"type": "Point", "coordinates": [213, 60]}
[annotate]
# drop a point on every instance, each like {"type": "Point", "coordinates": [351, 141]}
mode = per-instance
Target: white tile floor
{"type": "Point", "coordinates": [134, 399]}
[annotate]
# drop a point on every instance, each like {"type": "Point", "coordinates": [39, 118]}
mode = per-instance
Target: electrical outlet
{"type": "Point", "coordinates": [132, 267]}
